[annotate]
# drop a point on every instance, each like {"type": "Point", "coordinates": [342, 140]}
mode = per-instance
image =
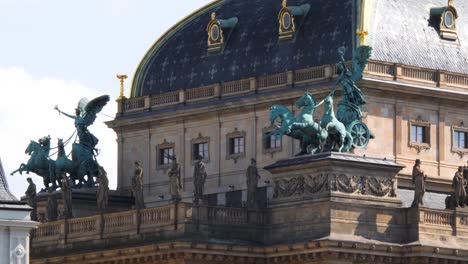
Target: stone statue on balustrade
{"type": "Point", "coordinates": [458, 197]}
{"type": "Point", "coordinates": [102, 194]}
{"type": "Point", "coordinates": [137, 186]}
{"type": "Point", "coordinates": [252, 182]}
{"type": "Point", "coordinates": [67, 197]}
{"type": "Point", "coordinates": [52, 210]}
{"type": "Point", "coordinates": [199, 179]}
{"type": "Point", "coordinates": [419, 181]}
{"type": "Point", "coordinates": [31, 198]}
{"type": "Point", "coordinates": [174, 180]}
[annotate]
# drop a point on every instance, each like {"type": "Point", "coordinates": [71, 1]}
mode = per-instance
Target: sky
{"type": "Point", "coordinates": [55, 52]}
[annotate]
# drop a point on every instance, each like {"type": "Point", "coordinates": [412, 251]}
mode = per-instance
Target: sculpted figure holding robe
{"type": "Point", "coordinates": [31, 198]}
{"type": "Point", "coordinates": [102, 194]}
{"type": "Point", "coordinates": [252, 182]}
{"type": "Point", "coordinates": [199, 178]}
{"type": "Point", "coordinates": [174, 180]}
{"type": "Point", "coordinates": [137, 186]}
{"type": "Point", "coordinates": [419, 181]}
{"type": "Point", "coordinates": [458, 185]}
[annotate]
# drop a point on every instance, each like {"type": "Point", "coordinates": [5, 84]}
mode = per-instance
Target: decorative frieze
{"type": "Point", "coordinates": [305, 185]}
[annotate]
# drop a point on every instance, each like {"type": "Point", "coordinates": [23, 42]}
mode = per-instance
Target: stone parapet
{"type": "Point", "coordinates": [375, 69]}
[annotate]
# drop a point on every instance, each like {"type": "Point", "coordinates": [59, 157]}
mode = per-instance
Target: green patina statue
{"type": "Point", "coordinates": [342, 132]}
{"type": "Point", "coordinates": [83, 166]}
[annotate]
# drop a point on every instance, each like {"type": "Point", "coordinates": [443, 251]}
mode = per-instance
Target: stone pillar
{"type": "Point", "coordinates": [14, 234]}
{"type": "Point", "coordinates": [441, 139]}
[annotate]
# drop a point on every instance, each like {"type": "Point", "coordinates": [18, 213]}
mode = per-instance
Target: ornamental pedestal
{"type": "Point", "coordinates": [336, 195]}
{"type": "Point", "coordinates": [337, 177]}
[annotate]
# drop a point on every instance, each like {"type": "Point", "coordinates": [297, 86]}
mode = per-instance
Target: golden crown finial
{"type": "Point", "coordinates": [285, 3]}
{"type": "Point", "coordinates": [362, 36]}
{"type": "Point", "coordinates": [450, 2]}
{"type": "Point", "coordinates": [213, 16]}
{"type": "Point", "coordinates": [122, 78]}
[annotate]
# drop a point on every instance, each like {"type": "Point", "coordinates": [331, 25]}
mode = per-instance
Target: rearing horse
{"type": "Point", "coordinates": [336, 129]}
{"type": "Point", "coordinates": [39, 162]}
{"type": "Point", "coordinates": [301, 127]}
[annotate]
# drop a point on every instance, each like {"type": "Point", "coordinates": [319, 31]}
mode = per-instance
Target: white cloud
{"type": "Point", "coordinates": [27, 113]}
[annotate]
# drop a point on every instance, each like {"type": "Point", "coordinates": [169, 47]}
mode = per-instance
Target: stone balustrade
{"type": "Point", "coordinates": [172, 222]}
{"type": "Point", "coordinates": [437, 217]}
{"type": "Point", "coordinates": [378, 69]}
{"type": "Point", "coordinates": [151, 222]}
{"type": "Point", "coordinates": [107, 226]}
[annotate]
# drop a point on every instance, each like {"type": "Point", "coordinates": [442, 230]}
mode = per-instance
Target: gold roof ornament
{"type": "Point", "coordinates": [450, 3]}
{"type": "Point", "coordinates": [213, 16]}
{"type": "Point", "coordinates": [122, 78]}
{"type": "Point", "coordinates": [285, 3]}
{"type": "Point", "coordinates": [362, 36]}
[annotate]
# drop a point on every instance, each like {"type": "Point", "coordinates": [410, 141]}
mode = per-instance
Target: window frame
{"type": "Point", "coordinates": [159, 157]}
{"type": "Point", "coordinates": [455, 149]}
{"type": "Point", "coordinates": [266, 142]}
{"type": "Point", "coordinates": [426, 142]}
{"type": "Point", "coordinates": [197, 141]}
{"type": "Point", "coordinates": [229, 145]}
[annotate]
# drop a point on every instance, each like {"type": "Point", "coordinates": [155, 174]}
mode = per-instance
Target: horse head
{"type": "Point", "coordinates": [305, 100]}
{"type": "Point", "coordinates": [328, 104]}
{"type": "Point", "coordinates": [31, 147]}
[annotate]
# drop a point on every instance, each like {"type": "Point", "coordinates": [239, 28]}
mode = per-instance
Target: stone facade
{"type": "Point", "coordinates": [325, 208]}
{"type": "Point", "coordinates": [331, 225]}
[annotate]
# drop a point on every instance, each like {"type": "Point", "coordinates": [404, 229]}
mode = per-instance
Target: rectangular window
{"type": "Point", "coordinates": [237, 145]}
{"type": "Point", "coordinates": [419, 134]}
{"type": "Point", "coordinates": [165, 156]}
{"type": "Point", "coordinates": [273, 142]}
{"type": "Point", "coordinates": [459, 139]}
{"type": "Point", "coordinates": [201, 149]}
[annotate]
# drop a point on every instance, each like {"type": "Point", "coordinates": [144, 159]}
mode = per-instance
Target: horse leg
{"type": "Point", "coordinates": [20, 169]}
{"type": "Point", "coordinates": [342, 141]}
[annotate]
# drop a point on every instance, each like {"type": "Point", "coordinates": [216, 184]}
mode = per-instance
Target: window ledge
{"type": "Point", "coordinates": [420, 146]}
{"type": "Point", "coordinates": [460, 151]}
{"type": "Point", "coordinates": [235, 157]}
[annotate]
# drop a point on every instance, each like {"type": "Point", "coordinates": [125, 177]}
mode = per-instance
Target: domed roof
{"type": "Point", "coordinates": [180, 59]}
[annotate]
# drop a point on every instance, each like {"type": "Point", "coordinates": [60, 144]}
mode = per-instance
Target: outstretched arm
{"type": "Point", "coordinates": [65, 114]}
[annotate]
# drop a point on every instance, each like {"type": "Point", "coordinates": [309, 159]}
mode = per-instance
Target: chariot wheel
{"type": "Point", "coordinates": [360, 133]}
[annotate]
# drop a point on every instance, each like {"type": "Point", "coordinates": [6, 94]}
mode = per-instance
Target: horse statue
{"type": "Point", "coordinates": [64, 165]}
{"type": "Point", "coordinates": [338, 135]}
{"type": "Point", "coordinates": [302, 127]}
{"type": "Point", "coordinates": [39, 162]}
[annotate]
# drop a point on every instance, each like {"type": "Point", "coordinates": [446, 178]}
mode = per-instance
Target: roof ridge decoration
{"type": "Point", "coordinates": [5, 194]}
{"type": "Point", "coordinates": [444, 20]}
{"type": "Point", "coordinates": [219, 32]}
{"type": "Point", "coordinates": [291, 19]}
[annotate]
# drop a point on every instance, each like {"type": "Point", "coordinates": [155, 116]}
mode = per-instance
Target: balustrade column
{"type": "Point", "coordinates": [290, 77]}
{"type": "Point", "coordinates": [328, 72]}
{"type": "Point", "coordinates": [398, 71]}
{"type": "Point", "coordinates": [182, 96]}
{"type": "Point", "coordinates": [253, 84]}
{"type": "Point", "coordinates": [147, 104]}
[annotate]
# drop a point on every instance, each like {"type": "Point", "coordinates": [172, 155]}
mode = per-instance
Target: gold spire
{"type": "Point", "coordinates": [122, 78]}
{"type": "Point", "coordinates": [213, 16]}
{"type": "Point", "coordinates": [285, 3]}
{"type": "Point", "coordinates": [450, 2]}
{"type": "Point", "coordinates": [362, 36]}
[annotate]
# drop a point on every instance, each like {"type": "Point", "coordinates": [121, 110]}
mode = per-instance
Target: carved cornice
{"type": "Point", "coordinates": [325, 250]}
